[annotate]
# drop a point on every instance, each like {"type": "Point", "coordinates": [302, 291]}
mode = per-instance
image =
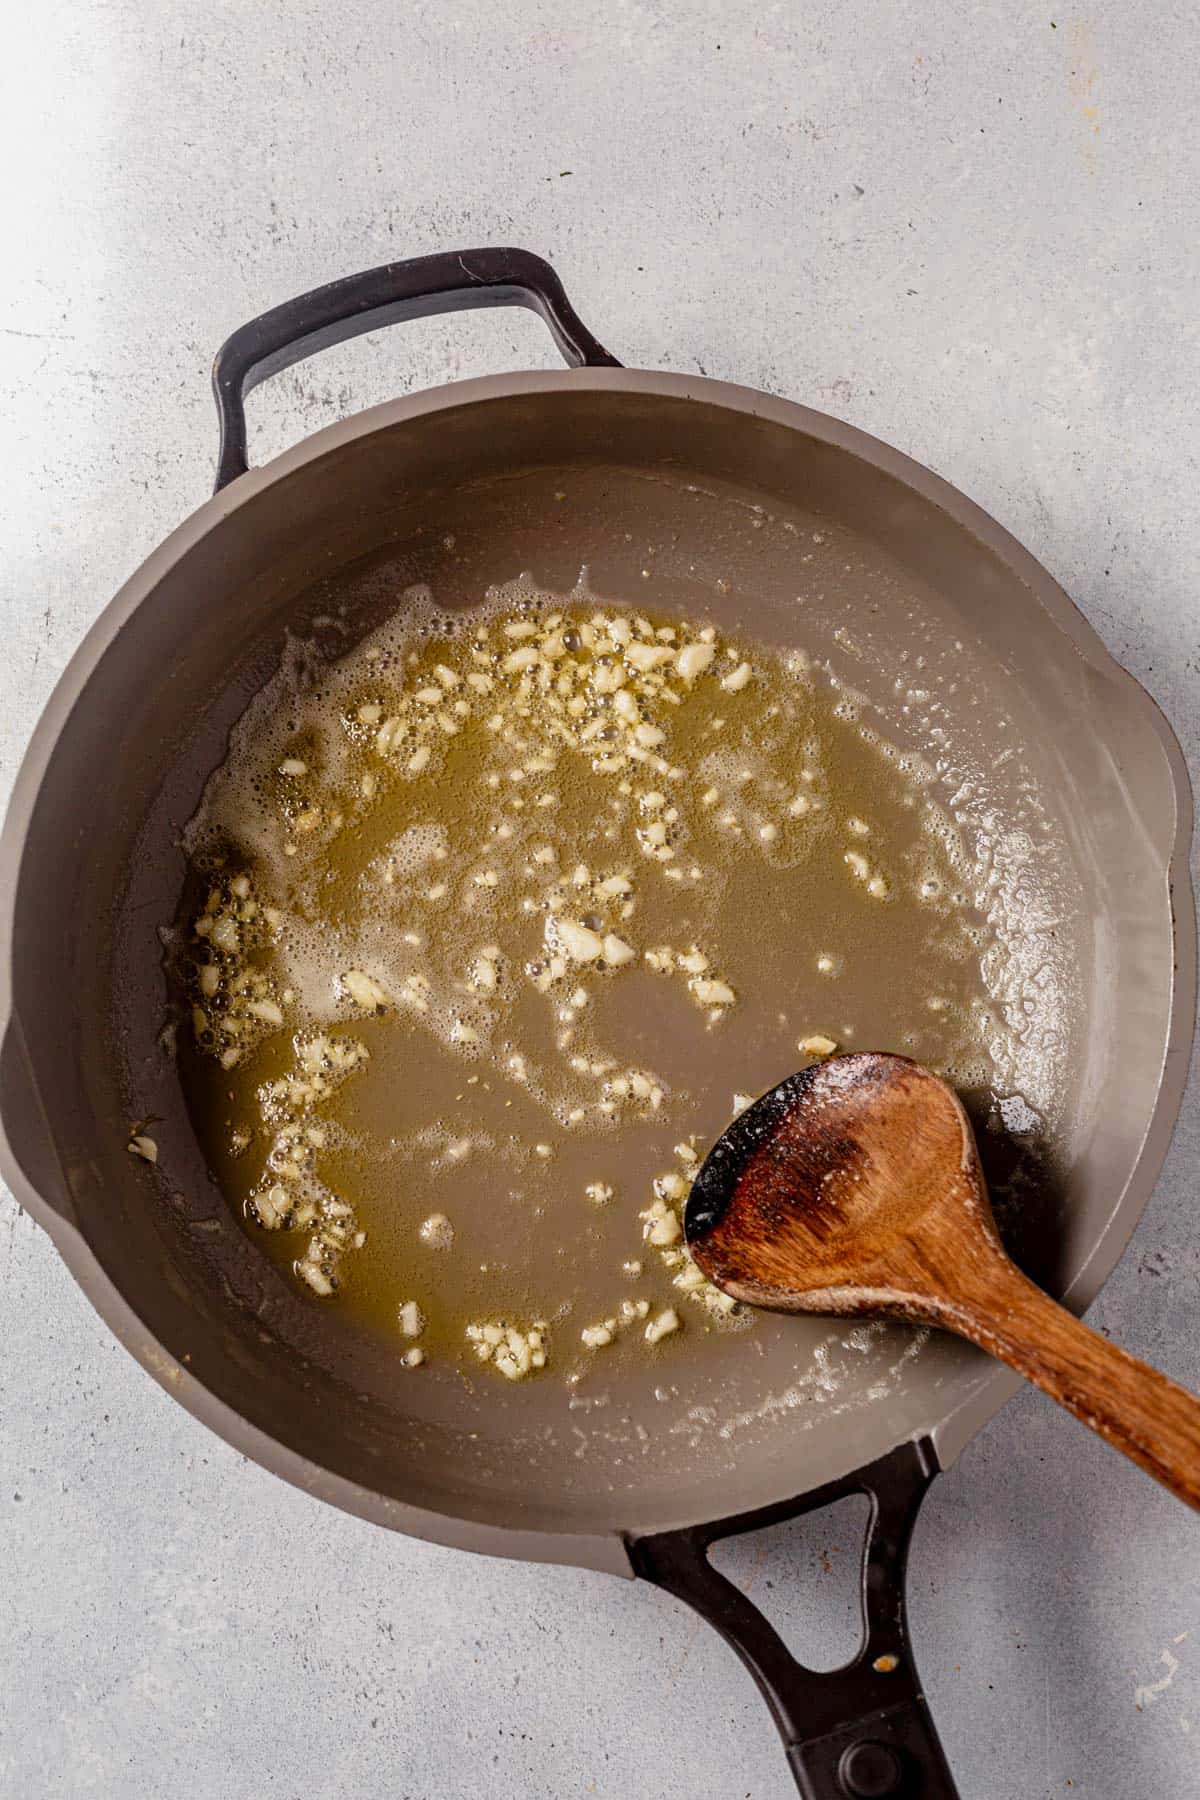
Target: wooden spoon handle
{"type": "Point", "coordinates": [1142, 1413]}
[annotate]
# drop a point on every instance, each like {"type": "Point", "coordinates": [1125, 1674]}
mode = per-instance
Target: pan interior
{"type": "Point", "coordinates": [948, 657]}
{"type": "Point", "coordinates": [555, 1107]}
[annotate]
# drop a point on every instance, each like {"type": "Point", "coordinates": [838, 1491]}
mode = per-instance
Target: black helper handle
{"type": "Point", "coordinates": [451, 281]}
{"type": "Point", "coordinates": [863, 1732]}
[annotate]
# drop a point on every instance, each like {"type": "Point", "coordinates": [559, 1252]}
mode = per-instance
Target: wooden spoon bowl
{"type": "Point", "coordinates": [854, 1187]}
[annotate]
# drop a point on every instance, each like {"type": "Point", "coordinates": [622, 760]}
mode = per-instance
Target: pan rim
{"type": "Point", "coordinates": [601, 1548]}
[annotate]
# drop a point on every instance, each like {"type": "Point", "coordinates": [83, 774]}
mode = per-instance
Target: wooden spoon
{"type": "Point", "coordinates": [855, 1187]}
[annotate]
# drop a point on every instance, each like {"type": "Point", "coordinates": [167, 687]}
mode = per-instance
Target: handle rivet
{"type": "Point", "coordinates": [870, 1771]}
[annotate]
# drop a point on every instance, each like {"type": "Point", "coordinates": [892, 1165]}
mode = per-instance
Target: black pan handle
{"type": "Point", "coordinates": [451, 281]}
{"type": "Point", "coordinates": [863, 1732]}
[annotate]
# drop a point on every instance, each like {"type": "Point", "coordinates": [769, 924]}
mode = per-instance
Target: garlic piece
{"type": "Point", "coordinates": [693, 659]}
{"type": "Point", "coordinates": [644, 657]}
{"type": "Point", "coordinates": [272, 1205]}
{"type": "Point", "coordinates": [661, 1226]}
{"type": "Point", "coordinates": [267, 1010]}
{"type": "Point", "coordinates": [411, 1319]}
{"type": "Point", "coordinates": [437, 1232]}
{"type": "Point", "coordinates": [483, 974]}
{"type": "Point", "coordinates": [143, 1146]}
{"type": "Point", "coordinates": [712, 993]}
{"type": "Point", "coordinates": [224, 934]}
{"type": "Point", "coordinates": [316, 1278]}
{"type": "Point", "coordinates": [662, 1326]}
{"type": "Point", "coordinates": [363, 990]}
{"type": "Point", "coordinates": [580, 944]}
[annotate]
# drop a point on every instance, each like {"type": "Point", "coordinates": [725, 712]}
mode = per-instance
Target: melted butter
{"type": "Point", "coordinates": [800, 865]}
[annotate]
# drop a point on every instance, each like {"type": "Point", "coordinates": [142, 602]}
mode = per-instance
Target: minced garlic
{"type": "Point", "coordinates": [514, 1352]}
{"type": "Point", "coordinates": [710, 992]}
{"type": "Point", "coordinates": [660, 1225]}
{"type": "Point", "coordinates": [437, 1232]}
{"type": "Point", "coordinates": [411, 1319]}
{"type": "Point", "coordinates": [629, 1312]}
{"type": "Point", "coordinates": [363, 990]}
{"type": "Point", "coordinates": [507, 722]}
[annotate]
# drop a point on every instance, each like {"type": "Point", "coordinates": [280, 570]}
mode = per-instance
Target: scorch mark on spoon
{"type": "Point", "coordinates": [854, 1187]}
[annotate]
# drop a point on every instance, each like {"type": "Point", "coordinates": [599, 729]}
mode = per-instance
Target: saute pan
{"type": "Point", "coordinates": [1043, 748]}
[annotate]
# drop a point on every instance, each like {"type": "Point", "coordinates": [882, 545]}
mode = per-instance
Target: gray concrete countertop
{"type": "Point", "coordinates": [971, 230]}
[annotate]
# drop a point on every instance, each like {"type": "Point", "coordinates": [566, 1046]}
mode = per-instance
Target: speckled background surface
{"type": "Point", "coordinates": [970, 230]}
